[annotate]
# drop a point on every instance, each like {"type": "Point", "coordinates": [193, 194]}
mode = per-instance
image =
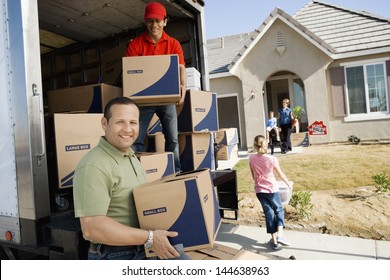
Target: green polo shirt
{"type": "Point", "coordinates": [103, 184]}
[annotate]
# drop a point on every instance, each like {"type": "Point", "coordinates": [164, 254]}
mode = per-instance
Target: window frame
{"type": "Point", "coordinates": [369, 115]}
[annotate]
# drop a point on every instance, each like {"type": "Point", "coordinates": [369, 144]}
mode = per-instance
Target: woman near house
{"type": "Point", "coordinates": [262, 167]}
{"type": "Point", "coordinates": [285, 117]}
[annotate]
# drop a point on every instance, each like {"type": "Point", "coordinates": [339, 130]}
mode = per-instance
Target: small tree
{"type": "Point", "coordinates": [297, 112]}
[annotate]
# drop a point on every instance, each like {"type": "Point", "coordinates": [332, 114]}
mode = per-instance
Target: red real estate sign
{"type": "Point", "coordinates": [317, 128]}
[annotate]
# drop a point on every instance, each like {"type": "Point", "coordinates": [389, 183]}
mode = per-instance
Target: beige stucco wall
{"type": "Point", "coordinates": [306, 60]}
{"type": "Point", "coordinates": [300, 57]}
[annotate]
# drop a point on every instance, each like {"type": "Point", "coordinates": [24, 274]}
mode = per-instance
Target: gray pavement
{"type": "Point", "coordinates": [304, 246]}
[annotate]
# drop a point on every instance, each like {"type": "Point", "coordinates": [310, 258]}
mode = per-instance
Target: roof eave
{"type": "Point", "coordinates": [220, 75]}
{"type": "Point", "coordinates": [360, 53]}
{"type": "Point", "coordinates": [277, 13]}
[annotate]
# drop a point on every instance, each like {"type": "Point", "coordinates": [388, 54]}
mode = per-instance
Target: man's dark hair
{"type": "Point", "coordinates": [121, 100]}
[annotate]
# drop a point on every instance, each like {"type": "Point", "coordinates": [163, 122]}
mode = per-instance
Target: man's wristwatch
{"type": "Point", "coordinates": [149, 242]}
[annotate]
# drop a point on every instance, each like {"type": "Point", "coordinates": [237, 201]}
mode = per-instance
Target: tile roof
{"type": "Point", "coordinates": [339, 30]}
{"type": "Point", "coordinates": [222, 51]}
{"type": "Point", "coordinates": [344, 29]}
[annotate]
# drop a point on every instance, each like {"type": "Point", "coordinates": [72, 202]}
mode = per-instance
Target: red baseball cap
{"type": "Point", "coordinates": [155, 10]}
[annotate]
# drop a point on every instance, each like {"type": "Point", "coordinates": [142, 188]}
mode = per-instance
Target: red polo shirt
{"type": "Point", "coordinates": [143, 45]}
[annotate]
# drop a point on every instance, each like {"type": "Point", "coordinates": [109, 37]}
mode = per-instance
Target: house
{"type": "Point", "coordinates": [332, 61]}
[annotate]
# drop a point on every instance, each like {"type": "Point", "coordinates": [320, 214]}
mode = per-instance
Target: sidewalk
{"type": "Point", "coordinates": [305, 246]}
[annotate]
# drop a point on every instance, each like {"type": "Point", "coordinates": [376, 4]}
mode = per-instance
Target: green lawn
{"type": "Point", "coordinates": [326, 167]}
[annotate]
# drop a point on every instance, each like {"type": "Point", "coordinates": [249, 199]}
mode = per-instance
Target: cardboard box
{"type": "Point", "coordinates": [112, 64]}
{"type": "Point", "coordinates": [185, 203]}
{"type": "Point", "coordinates": [155, 143]}
{"type": "Point", "coordinates": [223, 252]}
{"type": "Point", "coordinates": [227, 152]}
{"type": "Point", "coordinates": [75, 135]}
{"type": "Point", "coordinates": [151, 80]}
{"type": "Point", "coordinates": [83, 99]}
{"type": "Point", "coordinates": [226, 136]}
{"type": "Point", "coordinates": [198, 112]}
{"type": "Point", "coordinates": [196, 151]}
{"type": "Point", "coordinates": [154, 126]}
{"type": "Point", "coordinates": [157, 165]}
{"type": "Point", "coordinates": [193, 78]}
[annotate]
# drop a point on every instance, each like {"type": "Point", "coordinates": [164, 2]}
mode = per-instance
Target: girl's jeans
{"type": "Point", "coordinates": [273, 210]}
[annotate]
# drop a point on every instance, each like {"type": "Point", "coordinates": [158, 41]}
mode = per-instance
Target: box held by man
{"type": "Point", "coordinates": [185, 203]}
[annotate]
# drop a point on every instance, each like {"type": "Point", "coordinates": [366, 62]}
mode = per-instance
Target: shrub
{"type": "Point", "coordinates": [382, 181]}
{"type": "Point", "coordinates": [354, 139]}
{"type": "Point", "coordinates": [301, 201]}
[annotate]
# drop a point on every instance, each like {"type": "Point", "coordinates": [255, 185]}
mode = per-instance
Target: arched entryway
{"type": "Point", "coordinates": [283, 85]}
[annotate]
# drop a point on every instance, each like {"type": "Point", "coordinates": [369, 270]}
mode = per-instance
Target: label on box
{"type": "Point", "coordinates": [78, 147]}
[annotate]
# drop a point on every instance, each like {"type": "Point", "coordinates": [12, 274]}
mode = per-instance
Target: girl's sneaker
{"type": "Point", "coordinates": [283, 241]}
{"type": "Point", "coordinates": [275, 246]}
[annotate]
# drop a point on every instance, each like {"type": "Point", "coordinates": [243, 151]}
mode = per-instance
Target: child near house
{"type": "Point", "coordinates": [262, 167]}
{"type": "Point", "coordinates": [272, 124]}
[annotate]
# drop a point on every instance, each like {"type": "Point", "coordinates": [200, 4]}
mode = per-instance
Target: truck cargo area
{"type": "Point", "coordinates": [51, 45]}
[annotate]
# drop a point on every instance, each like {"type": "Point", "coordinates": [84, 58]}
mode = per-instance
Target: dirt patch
{"type": "Point", "coordinates": [357, 212]}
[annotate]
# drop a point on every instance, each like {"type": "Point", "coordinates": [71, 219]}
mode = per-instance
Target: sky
{"type": "Point", "coordinates": [229, 17]}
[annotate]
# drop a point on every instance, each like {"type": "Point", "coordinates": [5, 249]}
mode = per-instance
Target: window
{"type": "Point", "coordinates": [366, 89]}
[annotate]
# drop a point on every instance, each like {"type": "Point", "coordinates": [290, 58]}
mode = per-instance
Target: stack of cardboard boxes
{"type": "Point", "coordinates": [226, 140]}
{"type": "Point", "coordinates": [197, 119]}
{"type": "Point", "coordinates": [168, 201]}
{"type": "Point", "coordinates": [77, 114]}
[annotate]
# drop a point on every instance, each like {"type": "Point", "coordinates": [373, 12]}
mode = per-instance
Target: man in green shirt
{"type": "Point", "coordinates": [103, 184]}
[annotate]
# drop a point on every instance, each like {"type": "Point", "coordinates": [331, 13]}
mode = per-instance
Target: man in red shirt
{"type": "Point", "coordinates": [154, 41]}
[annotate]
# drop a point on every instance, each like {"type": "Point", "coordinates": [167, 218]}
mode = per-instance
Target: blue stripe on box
{"type": "Point", "coordinates": [209, 122]}
{"type": "Point", "coordinates": [96, 105]}
{"type": "Point", "coordinates": [190, 225]}
{"type": "Point", "coordinates": [170, 166]}
{"type": "Point", "coordinates": [168, 83]}
{"type": "Point", "coordinates": [224, 140]}
{"type": "Point", "coordinates": [67, 181]}
{"type": "Point", "coordinates": [208, 160]}
{"type": "Point", "coordinates": [186, 158]}
{"type": "Point", "coordinates": [234, 140]}
{"type": "Point", "coordinates": [185, 124]}
{"type": "Point", "coordinates": [157, 127]}
{"type": "Point", "coordinates": [230, 149]}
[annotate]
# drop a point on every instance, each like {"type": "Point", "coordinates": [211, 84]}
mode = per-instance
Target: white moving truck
{"type": "Point", "coordinates": [48, 45]}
